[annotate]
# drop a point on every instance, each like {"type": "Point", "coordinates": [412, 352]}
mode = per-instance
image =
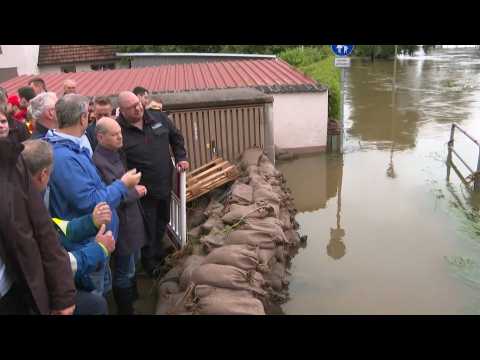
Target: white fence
{"type": "Point", "coordinates": [178, 209]}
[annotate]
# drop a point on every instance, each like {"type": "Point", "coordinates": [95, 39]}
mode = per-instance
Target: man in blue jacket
{"type": "Point", "coordinates": [38, 156]}
{"type": "Point", "coordinates": [75, 186]}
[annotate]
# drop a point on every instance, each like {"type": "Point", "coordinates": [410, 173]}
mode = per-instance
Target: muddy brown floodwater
{"type": "Point", "coordinates": [387, 233]}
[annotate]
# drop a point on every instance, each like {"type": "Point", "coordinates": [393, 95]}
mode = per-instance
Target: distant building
{"type": "Point", "coordinates": [18, 60]}
{"type": "Point", "coordinates": [77, 58]}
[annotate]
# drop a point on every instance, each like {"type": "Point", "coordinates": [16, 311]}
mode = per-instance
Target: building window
{"type": "Point", "coordinates": [101, 67]}
{"type": "Point", "coordinates": [1, 50]}
{"type": "Point", "coordinates": [68, 69]}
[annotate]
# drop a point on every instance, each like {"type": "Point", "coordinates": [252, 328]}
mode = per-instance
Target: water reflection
{"type": "Point", "coordinates": [313, 179]}
{"type": "Point", "coordinates": [375, 119]}
{"type": "Point", "coordinates": [336, 248]}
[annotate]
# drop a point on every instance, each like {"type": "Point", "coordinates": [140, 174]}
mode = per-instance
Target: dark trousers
{"type": "Point", "coordinates": [13, 303]}
{"type": "Point", "coordinates": [87, 303]}
{"type": "Point", "coordinates": [157, 216]}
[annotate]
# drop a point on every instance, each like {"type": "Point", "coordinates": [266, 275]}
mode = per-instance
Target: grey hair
{"type": "Point", "coordinates": [40, 103]}
{"type": "Point", "coordinates": [100, 129]}
{"type": "Point", "coordinates": [3, 109]}
{"type": "Point", "coordinates": [3, 96]}
{"type": "Point", "coordinates": [38, 155]}
{"type": "Point", "coordinates": [70, 109]}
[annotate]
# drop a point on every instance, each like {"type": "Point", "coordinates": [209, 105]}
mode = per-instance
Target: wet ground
{"type": "Point", "coordinates": [387, 232]}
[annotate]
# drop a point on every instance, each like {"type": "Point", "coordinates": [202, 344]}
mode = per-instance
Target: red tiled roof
{"type": "Point", "coordinates": [269, 75]}
{"type": "Point", "coordinates": [67, 54]}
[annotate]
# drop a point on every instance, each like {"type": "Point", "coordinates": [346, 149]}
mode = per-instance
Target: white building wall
{"type": "Point", "coordinates": [301, 121]}
{"type": "Point", "coordinates": [23, 57]}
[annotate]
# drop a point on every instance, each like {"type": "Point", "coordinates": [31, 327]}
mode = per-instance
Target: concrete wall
{"type": "Point", "coordinates": [23, 57]}
{"type": "Point", "coordinates": [300, 121]}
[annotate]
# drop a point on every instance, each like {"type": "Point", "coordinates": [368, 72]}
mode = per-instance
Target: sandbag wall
{"type": "Point", "coordinates": [240, 247]}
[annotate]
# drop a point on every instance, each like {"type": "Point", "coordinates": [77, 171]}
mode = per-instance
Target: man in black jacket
{"type": "Point", "coordinates": [147, 140]}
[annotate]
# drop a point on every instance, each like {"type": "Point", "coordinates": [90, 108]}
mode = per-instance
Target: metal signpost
{"type": "Point", "coordinates": [342, 60]}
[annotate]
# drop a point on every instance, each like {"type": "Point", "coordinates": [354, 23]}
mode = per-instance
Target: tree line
{"type": "Point", "coordinates": [370, 51]}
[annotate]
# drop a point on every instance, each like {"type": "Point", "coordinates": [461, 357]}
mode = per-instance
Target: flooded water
{"type": "Point", "coordinates": [387, 232]}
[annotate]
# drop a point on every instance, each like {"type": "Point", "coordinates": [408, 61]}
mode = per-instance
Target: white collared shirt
{"type": "Point", "coordinates": [82, 141]}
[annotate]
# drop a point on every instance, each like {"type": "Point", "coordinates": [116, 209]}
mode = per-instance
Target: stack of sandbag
{"type": "Point", "coordinates": [241, 251]}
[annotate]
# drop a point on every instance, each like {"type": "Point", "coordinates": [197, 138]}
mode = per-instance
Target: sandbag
{"type": "Point", "coordinates": [271, 226]}
{"type": "Point", "coordinates": [242, 194]}
{"type": "Point", "coordinates": [258, 238]}
{"type": "Point", "coordinates": [196, 232]}
{"type": "Point", "coordinates": [266, 257]}
{"type": "Point", "coordinates": [167, 305]}
{"type": "Point", "coordinates": [214, 208]}
{"type": "Point", "coordinates": [237, 212]}
{"type": "Point", "coordinates": [173, 274]}
{"type": "Point", "coordinates": [285, 219]}
{"type": "Point", "coordinates": [167, 288]}
{"type": "Point", "coordinates": [266, 168]}
{"type": "Point", "coordinates": [281, 254]}
{"type": "Point", "coordinates": [250, 157]}
{"type": "Point", "coordinates": [241, 256]}
{"type": "Point", "coordinates": [229, 277]}
{"type": "Point", "coordinates": [192, 262]}
{"type": "Point", "coordinates": [213, 240]}
{"type": "Point", "coordinates": [277, 277]}
{"type": "Point", "coordinates": [292, 237]}
{"type": "Point", "coordinates": [214, 222]}
{"type": "Point", "coordinates": [219, 301]}
{"type": "Point", "coordinates": [265, 194]}
{"type": "Point", "coordinates": [195, 217]}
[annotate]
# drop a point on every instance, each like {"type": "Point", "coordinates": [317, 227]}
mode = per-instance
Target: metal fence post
{"type": "Point", "coordinates": [183, 207]}
{"type": "Point", "coordinates": [476, 184]}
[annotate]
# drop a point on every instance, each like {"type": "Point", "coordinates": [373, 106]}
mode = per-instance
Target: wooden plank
{"type": "Point", "coordinates": [209, 170]}
{"type": "Point", "coordinates": [218, 160]}
{"type": "Point", "coordinates": [231, 172]}
{"type": "Point", "coordinates": [192, 197]}
{"type": "Point", "coordinates": [212, 176]}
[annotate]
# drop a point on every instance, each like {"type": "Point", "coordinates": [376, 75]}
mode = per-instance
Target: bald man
{"type": "Point", "coordinates": [148, 137]}
{"type": "Point", "coordinates": [132, 232]}
{"type": "Point", "coordinates": [69, 87]}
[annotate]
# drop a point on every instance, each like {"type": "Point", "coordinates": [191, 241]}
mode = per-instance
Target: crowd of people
{"type": "Point", "coordinates": [85, 191]}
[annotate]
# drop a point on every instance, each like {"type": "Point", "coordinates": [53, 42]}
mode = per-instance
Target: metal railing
{"type": "Point", "coordinates": [474, 175]}
{"type": "Point", "coordinates": [178, 209]}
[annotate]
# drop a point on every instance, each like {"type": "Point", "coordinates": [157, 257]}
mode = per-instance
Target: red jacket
{"type": "Point", "coordinates": [29, 243]}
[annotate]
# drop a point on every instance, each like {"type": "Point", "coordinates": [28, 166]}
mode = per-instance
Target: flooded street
{"type": "Point", "coordinates": [387, 233]}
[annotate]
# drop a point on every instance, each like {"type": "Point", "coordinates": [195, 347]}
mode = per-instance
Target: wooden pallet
{"type": "Point", "coordinates": [210, 176]}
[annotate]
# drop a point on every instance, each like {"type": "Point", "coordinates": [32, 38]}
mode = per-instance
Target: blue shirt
{"type": "Point", "coordinates": [5, 281]}
{"type": "Point", "coordinates": [82, 141]}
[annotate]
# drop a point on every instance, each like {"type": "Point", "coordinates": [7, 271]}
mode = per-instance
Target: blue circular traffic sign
{"type": "Point", "coordinates": [342, 50]}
